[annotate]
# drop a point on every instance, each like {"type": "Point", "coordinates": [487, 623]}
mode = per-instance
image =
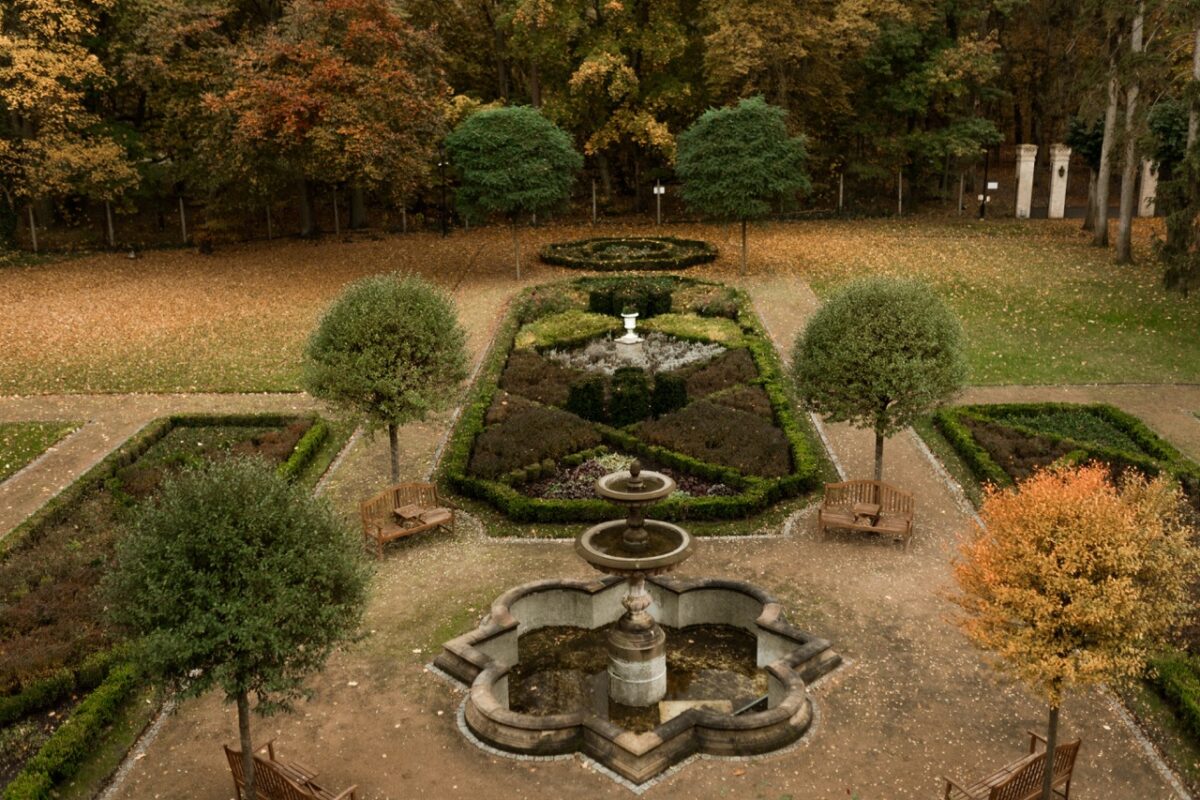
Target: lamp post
{"type": "Point", "coordinates": [442, 170]}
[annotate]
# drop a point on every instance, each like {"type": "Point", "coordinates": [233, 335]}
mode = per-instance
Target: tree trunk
{"type": "Point", "coordinates": [33, 229]}
{"type": "Point", "coordinates": [337, 220]}
{"type": "Point", "coordinates": [1051, 744]}
{"type": "Point", "coordinates": [358, 208]}
{"type": "Point", "coordinates": [1104, 176]}
{"type": "Point", "coordinates": [394, 444]}
{"type": "Point", "coordinates": [516, 247]}
{"type": "Point", "coordinates": [1089, 217]}
{"type": "Point", "coordinates": [112, 239]}
{"type": "Point", "coordinates": [1130, 167]}
{"type": "Point", "coordinates": [182, 219]}
{"type": "Point", "coordinates": [744, 247]}
{"type": "Point", "coordinates": [243, 707]}
{"type": "Point", "coordinates": [270, 231]}
{"type": "Point", "coordinates": [535, 85]}
{"type": "Point", "coordinates": [1194, 112]}
{"type": "Point", "coordinates": [605, 173]}
{"type": "Point", "coordinates": [878, 456]}
{"type": "Point", "coordinates": [308, 220]}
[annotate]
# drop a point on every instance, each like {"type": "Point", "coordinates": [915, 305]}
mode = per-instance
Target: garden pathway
{"type": "Point", "coordinates": [913, 702]}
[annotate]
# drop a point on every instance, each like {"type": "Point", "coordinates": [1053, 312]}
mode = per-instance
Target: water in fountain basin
{"type": "Point", "coordinates": [564, 669]}
{"type": "Point", "coordinates": [659, 541]}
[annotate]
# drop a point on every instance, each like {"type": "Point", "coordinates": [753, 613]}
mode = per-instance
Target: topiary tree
{"type": "Point", "coordinates": [236, 579]}
{"type": "Point", "coordinates": [880, 353]}
{"type": "Point", "coordinates": [511, 161]}
{"type": "Point", "coordinates": [1071, 581]}
{"type": "Point", "coordinates": [389, 349]}
{"type": "Point", "coordinates": [735, 161]}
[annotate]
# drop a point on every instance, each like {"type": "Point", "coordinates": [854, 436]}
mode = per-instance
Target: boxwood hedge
{"type": "Point", "coordinates": [608, 253]}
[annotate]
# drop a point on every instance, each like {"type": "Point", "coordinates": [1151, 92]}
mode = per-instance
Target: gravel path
{"type": "Point", "coordinates": [915, 701]}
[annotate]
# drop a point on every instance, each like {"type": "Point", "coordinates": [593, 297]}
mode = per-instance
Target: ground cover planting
{"type": "Point", "coordinates": [611, 253]}
{"type": "Point", "coordinates": [560, 402]}
{"type": "Point", "coordinates": [63, 679]}
{"type": "Point", "coordinates": [22, 442]}
{"type": "Point", "coordinates": [1003, 443]}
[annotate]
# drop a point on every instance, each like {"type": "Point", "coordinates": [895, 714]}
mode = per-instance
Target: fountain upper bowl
{"type": "Point", "coordinates": [615, 487]}
{"type": "Point", "coordinates": [604, 547]}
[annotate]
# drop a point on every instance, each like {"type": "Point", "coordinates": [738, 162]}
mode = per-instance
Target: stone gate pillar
{"type": "Point", "coordinates": [1026, 156]}
{"type": "Point", "coordinates": [1060, 163]}
{"type": "Point", "coordinates": [1146, 198]}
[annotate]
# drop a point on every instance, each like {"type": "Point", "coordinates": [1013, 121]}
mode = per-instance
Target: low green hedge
{"type": "Point", "coordinates": [565, 329]}
{"type": "Point", "coordinates": [755, 493]}
{"type": "Point", "coordinates": [1177, 677]}
{"type": "Point", "coordinates": [608, 253]}
{"type": "Point", "coordinates": [1162, 456]}
{"type": "Point", "coordinates": [65, 751]}
{"type": "Point", "coordinates": [59, 685]}
{"type": "Point", "coordinates": [305, 450]}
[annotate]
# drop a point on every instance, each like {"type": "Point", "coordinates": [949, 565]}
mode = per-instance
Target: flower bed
{"type": "Point", "coordinates": [538, 414]}
{"type": "Point", "coordinates": [629, 253]}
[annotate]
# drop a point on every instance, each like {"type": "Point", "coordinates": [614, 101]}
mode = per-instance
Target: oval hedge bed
{"type": "Point", "coordinates": [546, 405]}
{"type": "Point", "coordinates": [629, 253]}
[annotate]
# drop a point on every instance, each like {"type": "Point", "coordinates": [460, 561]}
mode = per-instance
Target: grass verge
{"type": "Point", "coordinates": [22, 442]}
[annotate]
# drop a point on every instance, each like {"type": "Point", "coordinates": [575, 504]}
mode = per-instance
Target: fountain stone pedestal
{"type": "Point", "coordinates": [635, 548]}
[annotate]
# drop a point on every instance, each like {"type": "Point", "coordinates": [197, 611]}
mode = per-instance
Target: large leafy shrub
{"type": "Point", "coordinates": [629, 400]}
{"type": "Point", "coordinates": [647, 296]}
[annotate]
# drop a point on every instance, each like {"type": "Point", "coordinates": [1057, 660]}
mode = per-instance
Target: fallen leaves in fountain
{"type": "Point", "coordinates": [564, 669]}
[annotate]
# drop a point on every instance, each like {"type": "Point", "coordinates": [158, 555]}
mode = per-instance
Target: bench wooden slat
{"type": "Point", "coordinates": [424, 511]}
{"type": "Point", "coordinates": [895, 516]}
{"type": "Point", "coordinates": [278, 779]}
{"type": "Point", "coordinates": [1022, 779]}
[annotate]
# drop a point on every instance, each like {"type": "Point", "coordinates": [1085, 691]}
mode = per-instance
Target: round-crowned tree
{"type": "Point", "coordinates": [389, 349]}
{"type": "Point", "coordinates": [736, 161]}
{"type": "Point", "coordinates": [511, 161]}
{"type": "Point", "coordinates": [237, 579]}
{"type": "Point", "coordinates": [880, 353]}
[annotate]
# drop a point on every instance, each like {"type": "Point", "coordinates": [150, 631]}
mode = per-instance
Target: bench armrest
{"type": "Point", "coordinates": [1034, 738]}
{"type": "Point", "coordinates": [347, 794]}
{"type": "Point", "coordinates": [951, 785]}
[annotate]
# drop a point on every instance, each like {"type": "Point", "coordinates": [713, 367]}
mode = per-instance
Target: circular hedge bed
{"type": "Point", "coordinates": [630, 252]}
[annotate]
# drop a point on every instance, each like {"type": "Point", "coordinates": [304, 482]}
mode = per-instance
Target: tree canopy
{"type": "Point", "coordinates": [734, 162]}
{"type": "Point", "coordinates": [389, 349]}
{"type": "Point", "coordinates": [235, 578]}
{"type": "Point", "coordinates": [878, 354]}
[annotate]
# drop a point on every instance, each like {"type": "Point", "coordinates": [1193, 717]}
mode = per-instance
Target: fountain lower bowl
{"type": "Point", "coordinates": [791, 658]}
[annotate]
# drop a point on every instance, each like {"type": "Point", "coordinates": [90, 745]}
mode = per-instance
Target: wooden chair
{"type": "Point", "coordinates": [402, 510]}
{"type": "Point", "coordinates": [871, 506]}
{"type": "Point", "coordinates": [1022, 779]}
{"type": "Point", "coordinates": [277, 779]}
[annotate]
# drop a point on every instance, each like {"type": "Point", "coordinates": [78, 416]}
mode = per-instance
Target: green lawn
{"type": "Point", "coordinates": [22, 442]}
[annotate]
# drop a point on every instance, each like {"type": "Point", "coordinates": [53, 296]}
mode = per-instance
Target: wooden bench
{"type": "Point", "coordinates": [402, 510]}
{"type": "Point", "coordinates": [277, 779]}
{"type": "Point", "coordinates": [872, 506]}
{"type": "Point", "coordinates": [1022, 780]}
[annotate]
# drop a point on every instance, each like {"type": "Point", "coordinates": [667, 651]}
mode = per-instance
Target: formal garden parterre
{"type": "Point", "coordinates": [65, 674]}
{"type": "Point", "coordinates": [703, 398]}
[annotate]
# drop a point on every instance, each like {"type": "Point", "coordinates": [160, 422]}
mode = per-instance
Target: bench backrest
{"type": "Point", "coordinates": [890, 499]}
{"type": "Point", "coordinates": [268, 781]}
{"type": "Point", "coordinates": [402, 494]}
{"type": "Point", "coordinates": [1026, 782]}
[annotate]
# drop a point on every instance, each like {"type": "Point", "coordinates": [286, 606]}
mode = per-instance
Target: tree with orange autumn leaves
{"type": "Point", "coordinates": [339, 92]}
{"type": "Point", "coordinates": [1073, 581]}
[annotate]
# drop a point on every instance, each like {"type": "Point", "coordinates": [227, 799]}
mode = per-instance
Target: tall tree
{"type": "Point", "coordinates": [734, 162]}
{"type": "Point", "coordinates": [1071, 581]}
{"type": "Point", "coordinates": [342, 92]}
{"type": "Point", "coordinates": [511, 161]}
{"type": "Point", "coordinates": [1131, 160]}
{"type": "Point", "coordinates": [880, 353]}
{"type": "Point", "coordinates": [237, 579]}
{"type": "Point", "coordinates": [390, 350]}
{"type": "Point", "coordinates": [51, 143]}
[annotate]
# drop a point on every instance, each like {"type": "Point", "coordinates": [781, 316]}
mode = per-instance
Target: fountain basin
{"type": "Point", "coordinates": [791, 659]}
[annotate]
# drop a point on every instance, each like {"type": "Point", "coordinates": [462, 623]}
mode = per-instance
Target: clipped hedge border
{"type": "Point", "coordinates": [58, 685]}
{"type": "Point", "coordinates": [65, 751]}
{"type": "Point", "coordinates": [949, 422]}
{"type": "Point", "coordinates": [1177, 678]}
{"type": "Point", "coordinates": [305, 450]}
{"type": "Point", "coordinates": [756, 493]}
{"type": "Point", "coordinates": [575, 254]}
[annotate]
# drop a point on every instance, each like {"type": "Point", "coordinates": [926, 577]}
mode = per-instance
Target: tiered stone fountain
{"type": "Point", "coordinates": [634, 604]}
{"type": "Point", "coordinates": [635, 548]}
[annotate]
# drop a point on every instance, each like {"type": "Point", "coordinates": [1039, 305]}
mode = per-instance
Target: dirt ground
{"type": "Point", "coordinates": [913, 702]}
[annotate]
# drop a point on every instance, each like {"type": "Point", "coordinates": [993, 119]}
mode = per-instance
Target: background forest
{"type": "Point", "coordinates": [239, 110]}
